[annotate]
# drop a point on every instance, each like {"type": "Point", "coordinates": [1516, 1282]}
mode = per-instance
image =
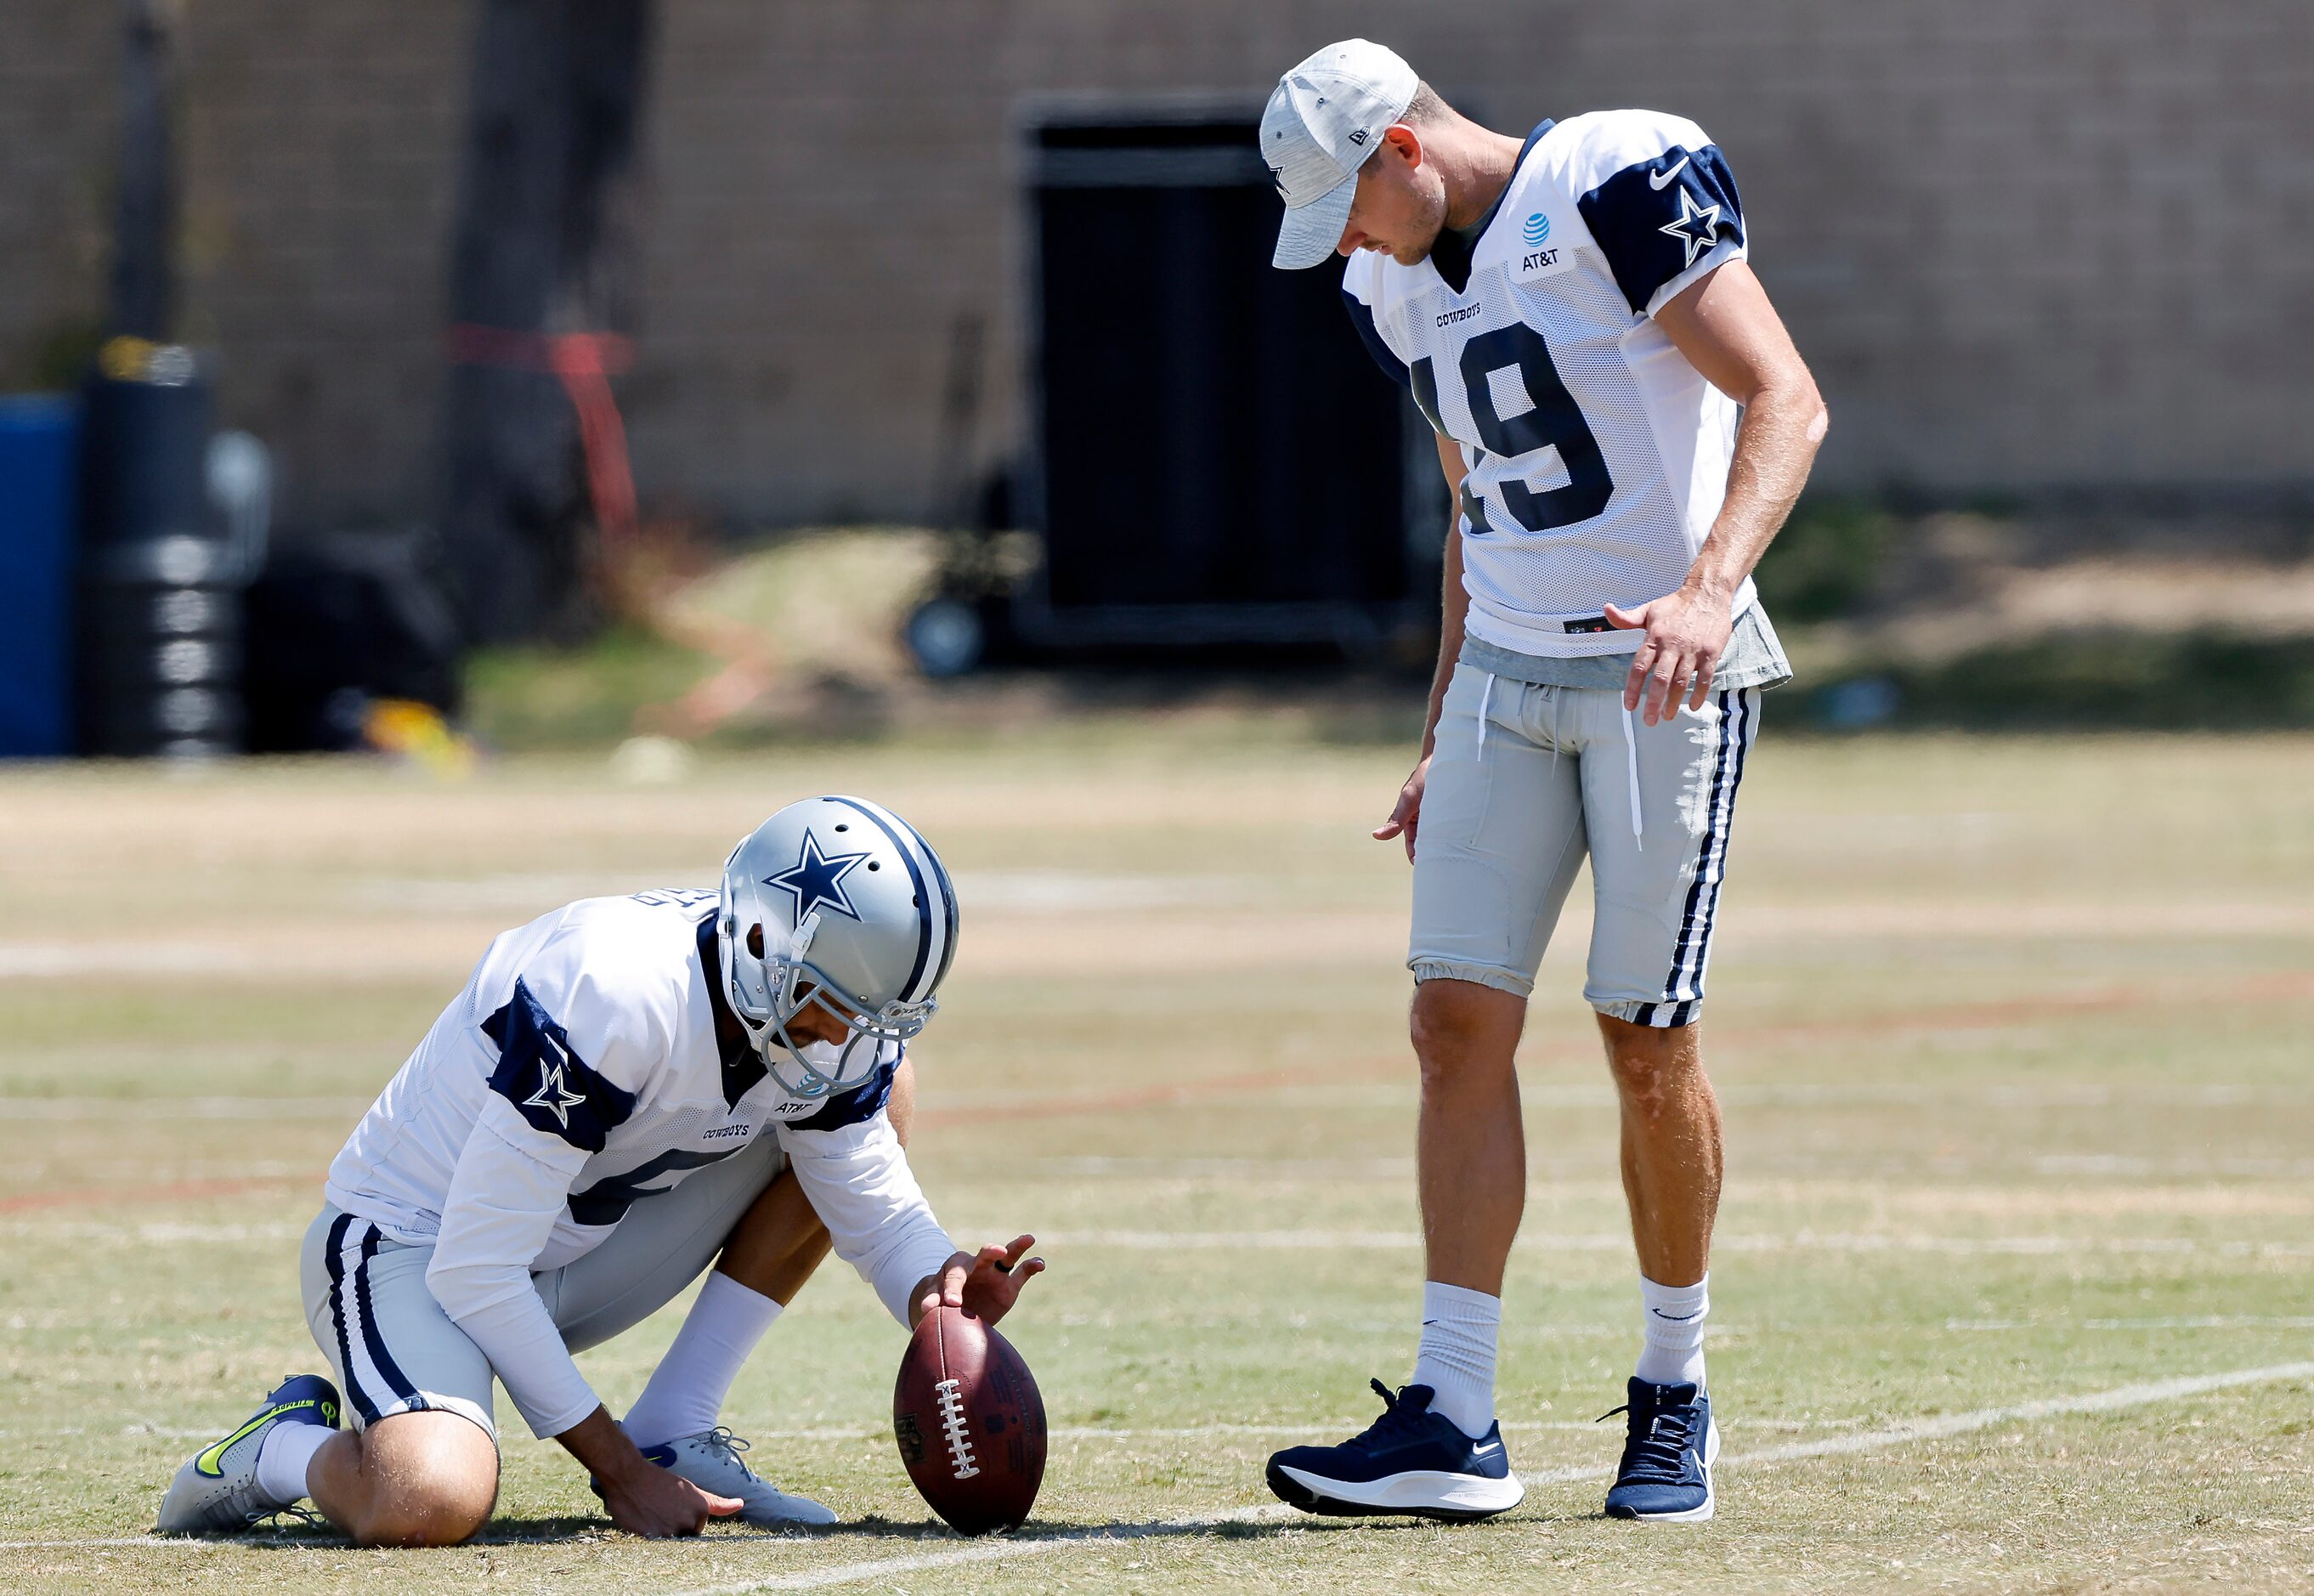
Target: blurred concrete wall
{"type": "Point", "coordinates": [2025, 243]}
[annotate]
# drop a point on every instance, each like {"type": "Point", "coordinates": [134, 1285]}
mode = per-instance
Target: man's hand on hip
{"type": "Point", "coordinates": [1687, 632]}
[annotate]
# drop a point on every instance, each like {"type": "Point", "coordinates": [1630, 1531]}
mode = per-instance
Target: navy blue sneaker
{"type": "Point", "coordinates": [1409, 1461]}
{"type": "Point", "coordinates": [1665, 1473]}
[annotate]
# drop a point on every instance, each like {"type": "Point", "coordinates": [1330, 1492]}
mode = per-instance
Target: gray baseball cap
{"type": "Point", "coordinates": [1325, 118]}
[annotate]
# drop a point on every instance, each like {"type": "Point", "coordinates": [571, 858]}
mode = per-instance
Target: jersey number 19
{"type": "Point", "coordinates": [1554, 421]}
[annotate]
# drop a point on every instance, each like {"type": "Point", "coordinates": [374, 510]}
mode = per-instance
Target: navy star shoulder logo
{"type": "Point", "coordinates": [554, 1094]}
{"type": "Point", "coordinates": [816, 877]}
{"type": "Point", "coordinates": [1697, 228]}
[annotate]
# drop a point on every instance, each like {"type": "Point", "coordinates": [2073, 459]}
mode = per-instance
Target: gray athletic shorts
{"type": "Point", "coordinates": [393, 1350]}
{"type": "Point", "coordinates": [1524, 780]}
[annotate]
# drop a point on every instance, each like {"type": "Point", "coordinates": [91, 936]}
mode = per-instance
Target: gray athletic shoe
{"type": "Point", "coordinates": [712, 1461]}
{"type": "Point", "coordinates": [217, 1493]}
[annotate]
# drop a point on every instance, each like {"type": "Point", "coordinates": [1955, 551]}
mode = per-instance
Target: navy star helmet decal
{"type": "Point", "coordinates": [556, 1092]}
{"type": "Point", "coordinates": [816, 877]}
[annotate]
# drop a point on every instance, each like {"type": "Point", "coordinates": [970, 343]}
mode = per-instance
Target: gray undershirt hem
{"type": "Point", "coordinates": [1754, 658]}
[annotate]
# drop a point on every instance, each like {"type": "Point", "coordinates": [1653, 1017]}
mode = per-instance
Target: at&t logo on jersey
{"type": "Point", "coordinates": [1536, 234]}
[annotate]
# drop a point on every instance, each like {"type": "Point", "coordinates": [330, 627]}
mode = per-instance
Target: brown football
{"type": "Point", "coordinates": [970, 1423]}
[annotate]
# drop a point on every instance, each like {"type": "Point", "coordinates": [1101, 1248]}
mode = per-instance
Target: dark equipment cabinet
{"type": "Point", "coordinates": [1214, 457]}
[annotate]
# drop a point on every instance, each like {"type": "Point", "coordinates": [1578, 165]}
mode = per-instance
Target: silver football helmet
{"type": "Point", "coordinates": [858, 917]}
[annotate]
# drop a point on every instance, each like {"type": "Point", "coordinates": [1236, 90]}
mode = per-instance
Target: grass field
{"type": "Point", "coordinates": [2012, 1286]}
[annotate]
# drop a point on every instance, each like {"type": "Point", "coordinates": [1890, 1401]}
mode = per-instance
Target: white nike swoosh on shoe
{"type": "Point", "coordinates": [1656, 179]}
{"type": "Point", "coordinates": [1420, 1489]}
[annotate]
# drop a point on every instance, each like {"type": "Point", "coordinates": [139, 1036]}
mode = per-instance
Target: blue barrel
{"type": "Point", "coordinates": [38, 447]}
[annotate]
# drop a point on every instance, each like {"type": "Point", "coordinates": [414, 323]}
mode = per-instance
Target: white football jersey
{"type": "Point", "coordinates": [1597, 455]}
{"type": "Point", "coordinates": [579, 1072]}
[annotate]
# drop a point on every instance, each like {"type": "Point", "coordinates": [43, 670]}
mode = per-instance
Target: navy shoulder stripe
{"type": "Point", "coordinates": [1655, 220]}
{"type": "Point", "coordinates": [861, 1103]}
{"type": "Point", "coordinates": [1370, 335]}
{"type": "Point", "coordinates": [606, 1202]}
{"type": "Point", "coordinates": [553, 1090]}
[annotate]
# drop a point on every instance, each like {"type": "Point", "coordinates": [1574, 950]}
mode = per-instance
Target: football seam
{"type": "Point", "coordinates": [949, 1394]}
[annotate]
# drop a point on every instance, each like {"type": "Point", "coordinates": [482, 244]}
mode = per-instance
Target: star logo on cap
{"type": "Point", "coordinates": [816, 877]}
{"type": "Point", "coordinates": [1696, 228]}
{"type": "Point", "coordinates": [1277, 176]}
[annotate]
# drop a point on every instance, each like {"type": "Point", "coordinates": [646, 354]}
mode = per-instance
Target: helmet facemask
{"type": "Point", "coordinates": [791, 984]}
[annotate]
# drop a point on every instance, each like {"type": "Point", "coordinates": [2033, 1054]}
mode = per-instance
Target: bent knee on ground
{"type": "Point", "coordinates": [1461, 1031]}
{"type": "Point", "coordinates": [427, 1479]}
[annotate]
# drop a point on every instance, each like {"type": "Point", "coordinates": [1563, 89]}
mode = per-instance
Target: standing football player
{"type": "Point", "coordinates": [1574, 314]}
{"type": "Point", "coordinates": [627, 1089]}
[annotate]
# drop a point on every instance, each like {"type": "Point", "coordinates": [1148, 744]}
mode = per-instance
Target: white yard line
{"type": "Point", "coordinates": [1904, 1433]}
{"type": "Point", "coordinates": [2047, 1407]}
{"type": "Point", "coordinates": [1354, 1240]}
{"type": "Point", "coordinates": [76, 1109]}
{"type": "Point", "coordinates": [1196, 1431]}
{"type": "Point", "coordinates": [1868, 1441]}
{"type": "Point", "coordinates": [847, 1573]}
{"type": "Point", "coordinates": [2177, 1321]}
{"type": "Point", "coordinates": [1833, 1241]}
{"type": "Point", "coordinates": [1544, 1095]}
{"type": "Point", "coordinates": [102, 1543]}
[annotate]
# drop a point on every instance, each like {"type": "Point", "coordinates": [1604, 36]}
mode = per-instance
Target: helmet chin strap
{"type": "Point", "coordinates": [800, 938]}
{"type": "Point", "coordinates": [815, 1081]}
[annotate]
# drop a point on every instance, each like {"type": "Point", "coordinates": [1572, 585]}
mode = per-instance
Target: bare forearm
{"type": "Point", "coordinates": [1453, 607]}
{"type": "Point", "coordinates": [643, 1498]}
{"type": "Point", "coordinates": [599, 1444]}
{"type": "Point", "coordinates": [1782, 427]}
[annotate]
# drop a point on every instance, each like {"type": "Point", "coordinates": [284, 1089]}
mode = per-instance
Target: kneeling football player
{"type": "Point", "coordinates": [627, 1091]}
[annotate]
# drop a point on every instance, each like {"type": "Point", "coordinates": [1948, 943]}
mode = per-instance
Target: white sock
{"type": "Point", "coordinates": [1457, 1358]}
{"type": "Point", "coordinates": [1673, 1315]}
{"type": "Point", "coordinates": [687, 1390]}
{"type": "Point", "coordinates": [282, 1458]}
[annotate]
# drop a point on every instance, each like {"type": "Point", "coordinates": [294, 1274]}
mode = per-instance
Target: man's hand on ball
{"type": "Point", "coordinates": [984, 1284]}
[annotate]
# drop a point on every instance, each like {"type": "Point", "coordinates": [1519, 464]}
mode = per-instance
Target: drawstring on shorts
{"type": "Point", "coordinates": [1631, 768]}
{"type": "Point", "coordinates": [1485, 697]}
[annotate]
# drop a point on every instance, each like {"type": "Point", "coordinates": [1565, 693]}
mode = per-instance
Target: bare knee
{"type": "Point", "coordinates": [427, 1484]}
{"type": "Point", "coordinates": [1462, 1030]}
{"type": "Point", "coordinates": [1649, 1063]}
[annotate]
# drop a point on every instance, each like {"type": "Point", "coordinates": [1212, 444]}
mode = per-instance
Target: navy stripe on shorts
{"type": "Point", "coordinates": [1683, 989]}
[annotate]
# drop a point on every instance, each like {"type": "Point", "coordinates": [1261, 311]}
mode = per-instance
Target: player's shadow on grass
{"type": "Point", "coordinates": [928, 1533]}
{"type": "Point", "coordinates": [932, 1532]}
